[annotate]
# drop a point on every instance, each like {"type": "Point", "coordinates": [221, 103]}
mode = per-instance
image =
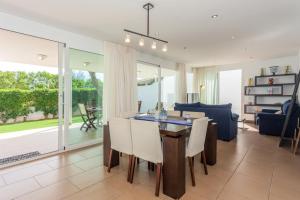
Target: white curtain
{"type": "Point", "coordinates": [120, 80]}
{"type": "Point", "coordinates": [205, 82]}
{"type": "Point", "coordinates": [181, 83]}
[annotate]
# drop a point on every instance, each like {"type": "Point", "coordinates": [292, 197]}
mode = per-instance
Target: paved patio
{"type": "Point", "coordinates": [43, 140]}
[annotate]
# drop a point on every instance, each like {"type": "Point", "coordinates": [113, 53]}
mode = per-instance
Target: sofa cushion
{"type": "Point", "coordinates": [187, 105]}
{"type": "Point", "coordinates": [228, 106]}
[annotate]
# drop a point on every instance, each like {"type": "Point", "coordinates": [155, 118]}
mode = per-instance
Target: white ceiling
{"type": "Point", "coordinates": [19, 48]}
{"type": "Point", "coordinates": [262, 28]}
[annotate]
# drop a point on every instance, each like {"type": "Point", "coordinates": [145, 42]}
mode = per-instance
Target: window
{"type": "Point", "coordinates": [168, 88]}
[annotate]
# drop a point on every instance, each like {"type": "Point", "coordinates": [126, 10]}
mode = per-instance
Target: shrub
{"type": "Point", "coordinates": [46, 100]}
{"type": "Point", "coordinates": [14, 103]}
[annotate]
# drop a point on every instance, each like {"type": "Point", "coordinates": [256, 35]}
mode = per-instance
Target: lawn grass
{"type": "Point", "coordinates": [22, 126]}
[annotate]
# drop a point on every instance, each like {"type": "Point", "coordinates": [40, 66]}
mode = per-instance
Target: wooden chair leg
{"type": "Point", "coordinates": [129, 168]}
{"type": "Point", "coordinates": [296, 143]}
{"type": "Point", "coordinates": [204, 162]}
{"type": "Point", "coordinates": [149, 165]}
{"type": "Point", "coordinates": [132, 168]}
{"type": "Point", "coordinates": [121, 154]}
{"type": "Point", "coordinates": [109, 161]}
{"type": "Point", "coordinates": [192, 170]}
{"type": "Point", "coordinates": [158, 177]}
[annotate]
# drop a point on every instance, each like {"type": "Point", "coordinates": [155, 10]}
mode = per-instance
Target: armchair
{"type": "Point", "coordinates": [271, 123]}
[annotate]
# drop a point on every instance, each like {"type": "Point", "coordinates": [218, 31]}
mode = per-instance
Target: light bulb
{"type": "Point", "coordinates": [153, 46]}
{"type": "Point", "coordinates": [165, 48]}
{"type": "Point", "coordinates": [141, 42]}
{"type": "Point", "coordinates": [127, 39]}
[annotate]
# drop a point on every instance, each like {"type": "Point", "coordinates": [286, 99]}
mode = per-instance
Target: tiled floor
{"type": "Point", "coordinates": [250, 168]}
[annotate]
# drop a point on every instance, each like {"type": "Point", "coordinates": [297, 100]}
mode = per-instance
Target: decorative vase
{"type": "Point", "coordinates": [271, 81]}
{"type": "Point", "coordinates": [287, 69]}
{"type": "Point", "coordinates": [262, 71]}
{"type": "Point", "coordinates": [250, 82]}
{"type": "Point", "coordinates": [273, 69]}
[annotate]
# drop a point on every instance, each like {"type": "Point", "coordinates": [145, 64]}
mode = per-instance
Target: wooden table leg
{"type": "Point", "coordinates": [174, 166]}
{"type": "Point", "coordinates": [106, 149]}
{"type": "Point", "coordinates": [210, 146]}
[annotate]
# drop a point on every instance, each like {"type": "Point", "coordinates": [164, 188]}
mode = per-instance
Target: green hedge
{"type": "Point", "coordinates": [15, 102]}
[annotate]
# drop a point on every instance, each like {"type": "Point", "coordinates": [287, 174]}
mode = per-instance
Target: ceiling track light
{"type": "Point", "coordinates": [127, 38]}
{"type": "Point", "coordinates": [141, 42]}
{"type": "Point", "coordinates": [147, 7]}
{"type": "Point", "coordinates": [165, 48]}
{"type": "Point", "coordinates": [41, 56]}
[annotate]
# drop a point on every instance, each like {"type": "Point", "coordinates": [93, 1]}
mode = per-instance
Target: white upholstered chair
{"type": "Point", "coordinates": [146, 143]}
{"type": "Point", "coordinates": [196, 144]}
{"type": "Point", "coordinates": [193, 114]}
{"type": "Point", "coordinates": [173, 113]}
{"type": "Point", "coordinates": [121, 140]}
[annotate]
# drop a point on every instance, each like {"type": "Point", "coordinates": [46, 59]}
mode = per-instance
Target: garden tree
{"type": "Point", "coordinates": [44, 80]}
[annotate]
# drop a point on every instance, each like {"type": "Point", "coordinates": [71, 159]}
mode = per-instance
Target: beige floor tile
{"type": "Point", "coordinates": [2, 183]}
{"type": "Point", "coordinates": [91, 152]}
{"type": "Point", "coordinates": [65, 160]}
{"type": "Point", "coordinates": [52, 192]}
{"type": "Point", "coordinates": [247, 186]}
{"type": "Point", "coordinates": [90, 177]}
{"type": "Point", "coordinates": [57, 175]}
{"type": "Point", "coordinates": [95, 192]}
{"type": "Point", "coordinates": [18, 189]}
{"type": "Point", "coordinates": [90, 163]}
{"type": "Point", "coordinates": [25, 173]}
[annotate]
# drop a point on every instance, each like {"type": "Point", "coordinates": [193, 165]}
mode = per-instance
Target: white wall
{"type": "Point", "coordinates": [251, 69]}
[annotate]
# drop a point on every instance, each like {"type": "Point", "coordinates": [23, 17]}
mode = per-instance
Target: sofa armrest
{"type": "Point", "coordinates": [271, 116]}
{"type": "Point", "coordinates": [269, 111]}
{"type": "Point", "coordinates": [234, 117]}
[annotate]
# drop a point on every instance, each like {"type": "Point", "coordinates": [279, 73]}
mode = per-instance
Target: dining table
{"type": "Point", "coordinates": [173, 131]}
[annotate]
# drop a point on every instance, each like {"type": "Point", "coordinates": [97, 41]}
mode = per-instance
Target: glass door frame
{"type": "Point", "coordinates": [68, 104]}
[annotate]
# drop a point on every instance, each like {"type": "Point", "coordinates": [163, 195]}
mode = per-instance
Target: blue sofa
{"type": "Point", "coordinates": [221, 114]}
{"type": "Point", "coordinates": [271, 124]}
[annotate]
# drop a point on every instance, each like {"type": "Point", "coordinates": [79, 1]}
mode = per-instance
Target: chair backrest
{"type": "Point", "coordinates": [146, 141]}
{"type": "Point", "coordinates": [82, 109]}
{"type": "Point", "coordinates": [173, 113]}
{"type": "Point", "coordinates": [193, 114]}
{"type": "Point", "coordinates": [120, 135]}
{"type": "Point", "coordinates": [197, 137]}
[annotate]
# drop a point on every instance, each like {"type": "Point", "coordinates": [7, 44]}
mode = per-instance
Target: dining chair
{"type": "Point", "coordinates": [196, 144]}
{"type": "Point", "coordinates": [146, 144]}
{"type": "Point", "coordinates": [87, 118]}
{"type": "Point", "coordinates": [121, 140]}
{"type": "Point", "coordinates": [193, 114]}
{"type": "Point", "coordinates": [173, 113]}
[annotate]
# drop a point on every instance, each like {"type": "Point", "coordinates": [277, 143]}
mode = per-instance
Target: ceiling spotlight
{"type": "Point", "coordinates": [153, 46]}
{"type": "Point", "coordinates": [85, 64]}
{"type": "Point", "coordinates": [127, 38]}
{"type": "Point", "coordinates": [141, 42]}
{"type": "Point", "coordinates": [41, 56]}
{"type": "Point", "coordinates": [214, 16]}
{"type": "Point", "coordinates": [233, 37]}
{"type": "Point", "coordinates": [165, 48]}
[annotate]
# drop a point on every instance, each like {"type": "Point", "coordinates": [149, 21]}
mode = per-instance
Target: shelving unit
{"type": "Point", "coordinates": [281, 90]}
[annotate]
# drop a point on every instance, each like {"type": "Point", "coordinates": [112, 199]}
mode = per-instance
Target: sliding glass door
{"type": "Point", "coordinates": [168, 88]}
{"type": "Point", "coordinates": [86, 94]}
{"type": "Point", "coordinates": [30, 108]}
